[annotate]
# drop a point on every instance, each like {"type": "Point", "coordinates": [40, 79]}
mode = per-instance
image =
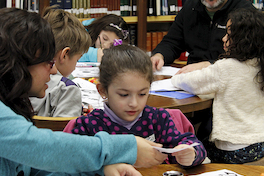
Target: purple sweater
{"type": "Point", "coordinates": [154, 124]}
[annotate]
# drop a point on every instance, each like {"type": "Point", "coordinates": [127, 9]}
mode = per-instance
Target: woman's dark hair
{"type": "Point", "coordinates": [121, 59]}
{"type": "Point", "coordinates": [104, 22]}
{"type": "Point", "coordinates": [247, 38]}
{"type": "Point", "coordinates": [22, 34]}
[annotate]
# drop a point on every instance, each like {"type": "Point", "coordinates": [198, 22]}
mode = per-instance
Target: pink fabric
{"type": "Point", "coordinates": [70, 125]}
{"type": "Point", "coordinates": [181, 122]}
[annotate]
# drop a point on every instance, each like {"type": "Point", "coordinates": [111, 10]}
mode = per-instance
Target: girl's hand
{"type": "Point", "coordinates": [184, 157]}
{"type": "Point", "coordinates": [147, 156]}
{"type": "Point", "coordinates": [120, 170]}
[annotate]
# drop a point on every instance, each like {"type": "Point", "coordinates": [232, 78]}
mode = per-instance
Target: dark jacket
{"type": "Point", "coordinates": [194, 31]}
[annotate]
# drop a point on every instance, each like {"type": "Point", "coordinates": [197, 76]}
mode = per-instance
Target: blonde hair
{"type": "Point", "coordinates": [68, 31]}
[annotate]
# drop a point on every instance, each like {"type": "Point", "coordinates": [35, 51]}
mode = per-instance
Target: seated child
{"type": "Point", "coordinates": [105, 31]}
{"type": "Point", "coordinates": [237, 81]}
{"type": "Point", "coordinates": [124, 82]}
{"type": "Point", "coordinates": [63, 97]}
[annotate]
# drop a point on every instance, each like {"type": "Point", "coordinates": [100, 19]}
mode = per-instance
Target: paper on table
{"type": "Point", "coordinates": [87, 64]}
{"type": "Point", "coordinates": [167, 70]}
{"type": "Point", "coordinates": [223, 172]}
{"type": "Point", "coordinates": [164, 84]}
{"type": "Point", "coordinates": [89, 92]}
{"type": "Point", "coordinates": [172, 94]}
{"type": "Point", "coordinates": [172, 150]}
{"type": "Point", "coordinates": [85, 72]}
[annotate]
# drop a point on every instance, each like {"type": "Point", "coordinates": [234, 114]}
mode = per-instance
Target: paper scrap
{"type": "Point", "coordinates": [223, 172]}
{"type": "Point", "coordinates": [172, 150]}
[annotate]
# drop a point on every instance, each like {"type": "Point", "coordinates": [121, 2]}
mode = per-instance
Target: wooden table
{"type": "Point", "coordinates": [246, 170]}
{"type": "Point", "coordinates": [185, 105]}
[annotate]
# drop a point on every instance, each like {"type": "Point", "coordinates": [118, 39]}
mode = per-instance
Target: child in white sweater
{"type": "Point", "coordinates": [237, 81]}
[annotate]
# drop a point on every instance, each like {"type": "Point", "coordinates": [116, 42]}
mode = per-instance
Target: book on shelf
{"type": "Point", "coordinates": [132, 28]}
{"type": "Point", "coordinates": [30, 5]}
{"type": "Point", "coordinates": [172, 7]}
{"type": "Point", "coordinates": [179, 5]}
{"type": "Point", "coordinates": [154, 38]}
{"type": "Point", "coordinates": [152, 8]}
{"type": "Point", "coordinates": [148, 44]}
{"type": "Point", "coordinates": [67, 5]}
{"type": "Point", "coordinates": [164, 7]}
{"type": "Point", "coordinates": [134, 7]}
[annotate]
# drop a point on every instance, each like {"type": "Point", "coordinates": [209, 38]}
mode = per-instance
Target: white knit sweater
{"type": "Point", "coordinates": [238, 107]}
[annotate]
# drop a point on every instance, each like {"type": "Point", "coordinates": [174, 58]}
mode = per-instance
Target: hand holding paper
{"type": "Point", "coordinates": [173, 150]}
{"type": "Point", "coordinates": [184, 154]}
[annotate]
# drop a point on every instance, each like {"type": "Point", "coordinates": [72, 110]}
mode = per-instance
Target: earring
{"type": "Point", "coordinates": [105, 99]}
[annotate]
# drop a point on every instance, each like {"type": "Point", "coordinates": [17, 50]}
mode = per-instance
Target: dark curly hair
{"type": "Point", "coordinates": [22, 34]}
{"type": "Point", "coordinates": [247, 38]}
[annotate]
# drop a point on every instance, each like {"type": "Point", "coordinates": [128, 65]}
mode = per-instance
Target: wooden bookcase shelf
{"type": "Point", "coordinates": [150, 19]}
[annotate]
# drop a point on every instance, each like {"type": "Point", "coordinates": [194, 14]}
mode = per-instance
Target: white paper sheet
{"type": "Point", "coordinates": [89, 92]}
{"type": "Point", "coordinates": [164, 84]}
{"type": "Point", "coordinates": [172, 150]}
{"type": "Point", "coordinates": [167, 70]}
{"type": "Point", "coordinates": [223, 172]}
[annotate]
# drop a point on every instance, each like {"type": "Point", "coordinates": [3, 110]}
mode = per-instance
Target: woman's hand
{"type": "Point", "coordinates": [120, 170]}
{"type": "Point", "coordinates": [147, 156]}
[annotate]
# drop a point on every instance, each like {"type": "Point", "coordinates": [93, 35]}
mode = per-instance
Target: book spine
{"type": "Point", "coordinates": [160, 37]}
{"type": "Point", "coordinates": [85, 11]}
{"type": "Point", "coordinates": [74, 7]}
{"type": "Point", "coordinates": [8, 3]}
{"type": "Point", "coordinates": [81, 9]}
{"type": "Point", "coordinates": [134, 7]}
{"type": "Point", "coordinates": [88, 9]}
{"type": "Point", "coordinates": [154, 38]}
{"type": "Point", "coordinates": [148, 42]}
{"type": "Point", "coordinates": [133, 34]}
{"type": "Point", "coordinates": [179, 5]}
{"type": "Point", "coordinates": [158, 8]}
{"type": "Point", "coordinates": [104, 7]}
{"type": "Point", "coordinates": [92, 8]}
{"type": "Point", "coordinates": [122, 8]}
{"type": "Point", "coordinates": [67, 5]}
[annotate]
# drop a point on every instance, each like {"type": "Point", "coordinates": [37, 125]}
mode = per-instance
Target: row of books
{"type": "Point", "coordinates": [97, 8]}
{"type": "Point", "coordinates": [164, 7]}
{"type": "Point", "coordinates": [258, 4]}
{"type": "Point", "coordinates": [153, 39]}
{"type": "Point", "coordinates": [30, 5]}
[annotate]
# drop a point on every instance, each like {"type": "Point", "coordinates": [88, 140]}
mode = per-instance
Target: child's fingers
{"type": "Point", "coordinates": [185, 157]}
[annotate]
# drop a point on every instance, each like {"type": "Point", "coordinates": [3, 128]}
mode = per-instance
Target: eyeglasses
{"type": "Point", "coordinates": [51, 63]}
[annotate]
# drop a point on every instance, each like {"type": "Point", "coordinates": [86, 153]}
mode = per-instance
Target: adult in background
{"type": "Point", "coordinates": [198, 29]}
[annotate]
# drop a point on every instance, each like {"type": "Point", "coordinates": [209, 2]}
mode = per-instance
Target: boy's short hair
{"type": "Point", "coordinates": [68, 31]}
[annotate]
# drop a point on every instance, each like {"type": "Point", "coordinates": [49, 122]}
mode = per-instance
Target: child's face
{"type": "Point", "coordinates": [127, 95]}
{"type": "Point", "coordinates": [69, 65]}
{"type": "Point", "coordinates": [107, 39]}
{"type": "Point", "coordinates": [226, 39]}
{"type": "Point", "coordinates": [40, 76]}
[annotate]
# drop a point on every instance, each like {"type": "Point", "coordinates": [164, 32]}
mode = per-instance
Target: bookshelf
{"type": "Point", "coordinates": [141, 20]}
{"type": "Point", "coordinates": [43, 4]}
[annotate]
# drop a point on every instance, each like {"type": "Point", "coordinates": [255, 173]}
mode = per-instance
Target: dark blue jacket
{"type": "Point", "coordinates": [194, 31]}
